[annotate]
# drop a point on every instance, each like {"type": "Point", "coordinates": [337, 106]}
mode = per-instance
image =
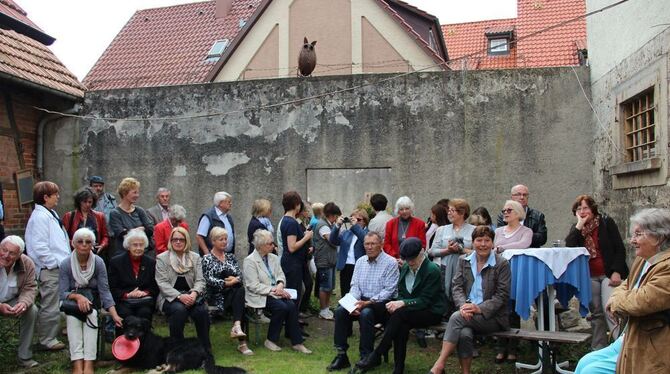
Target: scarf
{"type": "Point", "coordinates": [265, 221]}
{"type": "Point", "coordinates": [587, 232]}
{"type": "Point", "coordinates": [180, 265]}
{"type": "Point", "coordinates": [82, 277]}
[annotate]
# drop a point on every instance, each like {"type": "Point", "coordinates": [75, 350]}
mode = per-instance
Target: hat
{"type": "Point", "coordinates": [410, 248]}
{"type": "Point", "coordinates": [96, 179]}
{"type": "Point", "coordinates": [124, 348]}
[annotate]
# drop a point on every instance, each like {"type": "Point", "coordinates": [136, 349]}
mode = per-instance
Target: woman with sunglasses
{"type": "Point", "coordinates": [513, 235]}
{"type": "Point", "coordinates": [83, 273]}
{"type": "Point", "coordinates": [607, 261]}
{"type": "Point", "coordinates": [182, 287]}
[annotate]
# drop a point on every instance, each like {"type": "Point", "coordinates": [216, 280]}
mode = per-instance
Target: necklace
{"type": "Point", "coordinates": [403, 229]}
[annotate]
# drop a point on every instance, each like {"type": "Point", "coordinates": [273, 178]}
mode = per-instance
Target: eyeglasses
{"type": "Point", "coordinates": [507, 211]}
{"type": "Point", "coordinates": [452, 210]}
{"type": "Point", "coordinates": [87, 242]}
{"type": "Point", "coordinates": [178, 240]}
{"type": "Point", "coordinates": [639, 234]}
{"type": "Point", "coordinates": [518, 194]}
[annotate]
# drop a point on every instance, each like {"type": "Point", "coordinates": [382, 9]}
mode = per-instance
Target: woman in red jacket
{"type": "Point", "coordinates": [403, 226]}
{"type": "Point", "coordinates": [83, 215]}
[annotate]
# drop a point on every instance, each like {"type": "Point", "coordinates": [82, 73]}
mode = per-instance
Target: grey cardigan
{"type": "Point", "coordinates": [257, 281]}
{"type": "Point", "coordinates": [496, 283]}
{"type": "Point", "coordinates": [97, 283]}
{"type": "Point", "coordinates": [166, 278]}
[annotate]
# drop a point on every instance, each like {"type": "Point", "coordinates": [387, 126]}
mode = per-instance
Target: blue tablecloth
{"type": "Point", "coordinates": [530, 277]}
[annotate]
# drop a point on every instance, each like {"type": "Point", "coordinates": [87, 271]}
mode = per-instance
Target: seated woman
{"type": "Point", "coordinates": [182, 285]}
{"type": "Point", "coordinates": [513, 235]}
{"type": "Point", "coordinates": [481, 289]}
{"type": "Point", "coordinates": [132, 278]}
{"type": "Point", "coordinates": [84, 270]}
{"type": "Point", "coordinates": [83, 215]}
{"type": "Point", "coordinates": [264, 288]}
{"type": "Point", "coordinates": [599, 234]}
{"type": "Point", "coordinates": [644, 299]}
{"type": "Point", "coordinates": [224, 284]}
{"type": "Point", "coordinates": [420, 304]}
{"type": "Point", "coordinates": [162, 230]}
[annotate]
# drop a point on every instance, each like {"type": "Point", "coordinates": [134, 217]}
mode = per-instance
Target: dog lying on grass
{"type": "Point", "coordinates": [164, 355]}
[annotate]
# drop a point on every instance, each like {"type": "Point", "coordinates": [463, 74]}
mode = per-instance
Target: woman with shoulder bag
{"type": "Point", "coordinates": [83, 281]}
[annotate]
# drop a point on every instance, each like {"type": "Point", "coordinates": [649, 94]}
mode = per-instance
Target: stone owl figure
{"type": "Point", "coordinates": [307, 59]}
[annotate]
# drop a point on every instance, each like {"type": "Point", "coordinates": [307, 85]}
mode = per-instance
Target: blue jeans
{"type": "Point", "coordinates": [326, 279]}
{"type": "Point", "coordinates": [370, 315]}
{"type": "Point", "coordinates": [602, 361]}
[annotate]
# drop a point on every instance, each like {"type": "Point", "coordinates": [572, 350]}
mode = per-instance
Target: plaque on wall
{"type": "Point", "coordinates": [24, 186]}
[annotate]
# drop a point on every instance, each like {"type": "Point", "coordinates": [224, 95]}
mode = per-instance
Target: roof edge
{"type": "Point", "coordinates": [42, 88]}
{"type": "Point", "coordinates": [27, 30]}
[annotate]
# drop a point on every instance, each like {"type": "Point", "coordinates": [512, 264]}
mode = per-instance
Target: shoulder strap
{"type": "Point", "coordinates": [72, 213]}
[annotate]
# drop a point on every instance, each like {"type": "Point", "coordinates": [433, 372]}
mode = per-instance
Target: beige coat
{"type": "Point", "coordinates": [166, 278]}
{"type": "Point", "coordinates": [24, 268]}
{"type": "Point", "coordinates": [645, 345]}
{"type": "Point", "coordinates": [257, 281]}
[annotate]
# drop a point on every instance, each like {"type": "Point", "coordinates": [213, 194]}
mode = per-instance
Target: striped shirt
{"type": "Point", "coordinates": [375, 280]}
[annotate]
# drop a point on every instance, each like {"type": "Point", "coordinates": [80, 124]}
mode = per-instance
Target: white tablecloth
{"type": "Point", "coordinates": [556, 258]}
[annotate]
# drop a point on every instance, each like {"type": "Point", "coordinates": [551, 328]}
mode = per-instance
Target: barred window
{"type": "Point", "coordinates": [640, 126]}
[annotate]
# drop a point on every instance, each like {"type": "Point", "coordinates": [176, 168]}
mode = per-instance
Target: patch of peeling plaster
{"type": "Point", "coordinates": [220, 164]}
{"type": "Point", "coordinates": [180, 171]}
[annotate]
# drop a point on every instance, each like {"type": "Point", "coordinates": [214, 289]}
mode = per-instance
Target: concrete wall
{"type": "Point", "coordinates": [458, 134]}
{"type": "Point", "coordinates": [642, 62]}
{"type": "Point", "coordinates": [617, 33]}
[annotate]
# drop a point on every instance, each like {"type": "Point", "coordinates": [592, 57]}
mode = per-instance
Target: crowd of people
{"type": "Point", "coordinates": [395, 270]}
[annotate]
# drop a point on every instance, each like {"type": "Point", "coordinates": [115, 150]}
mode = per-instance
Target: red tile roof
{"type": "Point", "coordinates": [534, 47]}
{"type": "Point", "coordinates": [166, 46]}
{"type": "Point", "coordinates": [28, 60]}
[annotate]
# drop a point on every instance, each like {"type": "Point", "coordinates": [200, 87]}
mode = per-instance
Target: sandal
{"type": "Point", "coordinates": [236, 332]}
{"type": "Point", "coordinates": [244, 349]}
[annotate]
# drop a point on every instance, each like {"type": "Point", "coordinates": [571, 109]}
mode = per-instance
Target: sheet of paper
{"type": "Point", "coordinates": [292, 292]}
{"type": "Point", "coordinates": [348, 302]}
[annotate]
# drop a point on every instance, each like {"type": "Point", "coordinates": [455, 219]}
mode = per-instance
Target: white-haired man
{"type": "Point", "coordinates": [159, 212]}
{"type": "Point", "coordinates": [217, 216]}
{"type": "Point", "coordinates": [534, 218]}
{"type": "Point", "coordinates": [18, 287]}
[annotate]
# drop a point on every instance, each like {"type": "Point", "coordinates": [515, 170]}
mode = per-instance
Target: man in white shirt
{"type": "Point", "coordinates": [48, 245]}
{"type": "Point", "coordinates": [378, 223]}
{"type": "Point", "coordinates": [18, 288]}
{"type": "Point", "coordinates": [217, 216]}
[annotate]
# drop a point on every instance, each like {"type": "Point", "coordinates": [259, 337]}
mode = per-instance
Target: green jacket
{"type": "Point", "coordinates": [427, 292]}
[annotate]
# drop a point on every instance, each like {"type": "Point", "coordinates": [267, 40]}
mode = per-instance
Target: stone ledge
{"type": "Point", "coordinates": [642, 166]}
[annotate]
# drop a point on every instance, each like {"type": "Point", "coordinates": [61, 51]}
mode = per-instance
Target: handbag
{"type": "Point", "coordinates": [140, 302]}
{"type": "Point", "coordinates": [71, 308]}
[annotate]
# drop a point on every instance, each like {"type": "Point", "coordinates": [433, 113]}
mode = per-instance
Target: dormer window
{"type": "Point", "coordinates": [217, 50]}
{"type": "Point", "coordinates": [499, 40]}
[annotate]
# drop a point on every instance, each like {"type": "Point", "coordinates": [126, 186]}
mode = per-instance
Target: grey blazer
{"type": "Point", "coordinates": [166, 278]}
{"type": "Point", "coordinates": [496, 283]}
{"type": "Point", "coordinates": [156, 214]}
{"type": "Point", "coordinates": [257, 281]}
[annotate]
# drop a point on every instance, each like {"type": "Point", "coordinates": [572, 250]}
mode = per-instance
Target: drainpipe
{"type": "Point", "coordinates": [40, 135]}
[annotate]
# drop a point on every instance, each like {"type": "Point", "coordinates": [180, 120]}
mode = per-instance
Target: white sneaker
{"type": "Point", "coordinates": [272, 346]}
{"type": "Point", "coordinates": [326, 314]}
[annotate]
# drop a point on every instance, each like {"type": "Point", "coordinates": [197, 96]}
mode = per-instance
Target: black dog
{"type": "Point", "coordinates": [171, 355]}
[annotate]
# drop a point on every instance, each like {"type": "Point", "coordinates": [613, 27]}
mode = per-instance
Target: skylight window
{"type": "Point", "coordinates": [217, 49]}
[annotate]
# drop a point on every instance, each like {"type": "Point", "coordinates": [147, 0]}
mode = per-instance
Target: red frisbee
{"type": "Point", "coordinates": [124, 348]}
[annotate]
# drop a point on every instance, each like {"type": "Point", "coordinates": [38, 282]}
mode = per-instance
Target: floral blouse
{"type": "Point", "coordinates": [215, 271]}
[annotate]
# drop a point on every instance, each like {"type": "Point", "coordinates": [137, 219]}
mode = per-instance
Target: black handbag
{"type": "Point", "coordinates": [71, 308]}
{"type": "Point", "coordinates": [140, 302]}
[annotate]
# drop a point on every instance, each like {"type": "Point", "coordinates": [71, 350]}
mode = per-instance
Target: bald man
{"type": "Point", "coordinates": [534, 218]}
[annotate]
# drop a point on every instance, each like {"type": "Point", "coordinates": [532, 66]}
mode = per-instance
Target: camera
{"type": "Point", "coordinates": [346, 220]}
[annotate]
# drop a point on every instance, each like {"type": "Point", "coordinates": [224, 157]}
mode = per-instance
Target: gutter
{"type": "Point", "coordinates": [39, 87]}
{"type": "Point", "coordinates": [40, 135]}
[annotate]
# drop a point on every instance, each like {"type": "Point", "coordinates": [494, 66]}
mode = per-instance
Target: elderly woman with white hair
{"type": "Point", "coordinates": [264, 288]}
{"type": "Point", "coordinates": [176, 217]}
{"type": "Point", "coordinates": [403, 226]}
{"type": "Point", "coordinates": [132, 278]}
{"type": "Point", "coordinates": [641, 304]}
{"type": "Point", "coordinates": [83, 279]}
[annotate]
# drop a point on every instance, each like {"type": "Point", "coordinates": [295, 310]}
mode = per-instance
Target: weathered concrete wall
{"type": "Point", "coordinates": [648, 66]}
{"type": "Point", "coordinates": [464, 134]}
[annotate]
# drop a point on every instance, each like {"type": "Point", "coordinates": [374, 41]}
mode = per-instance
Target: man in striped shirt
{"type": "Point", "coordinates": [375, 281]}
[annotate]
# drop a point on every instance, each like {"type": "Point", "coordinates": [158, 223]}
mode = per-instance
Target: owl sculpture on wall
{"type": "Point", "coordinates": [307, 59]}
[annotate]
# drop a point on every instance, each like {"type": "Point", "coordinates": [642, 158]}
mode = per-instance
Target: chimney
{"type": "Point", "coordinates": [223, 8]}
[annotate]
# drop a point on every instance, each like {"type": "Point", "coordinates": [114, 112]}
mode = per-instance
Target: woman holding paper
{"type": "Point", "coordinates": [264, 288]}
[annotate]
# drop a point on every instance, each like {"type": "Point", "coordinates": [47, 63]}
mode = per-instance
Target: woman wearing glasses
{"type": "Point", "coordinates": [607, 262]}
{"type": "Point", "coordinates": [182, 285]}
{"type": "Point", "coordinates": [513, 235]}
{"type": "Point", "coordinates": [83, 278]}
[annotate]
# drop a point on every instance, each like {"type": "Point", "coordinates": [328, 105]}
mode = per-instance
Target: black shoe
{"type": "Point", "coordinates": [341, 361]}
{"type": "Point", "coordinates": [371, 361]}
{"type": "Point", "coordinates": [399, 369]}
{"type": "Point", "coordinates": [421, 338]}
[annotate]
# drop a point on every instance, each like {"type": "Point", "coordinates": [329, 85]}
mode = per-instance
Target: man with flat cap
{"type": "Point", "coordinates": [420, 304]}
{"type": "Point", "coordinates": [106, 202]}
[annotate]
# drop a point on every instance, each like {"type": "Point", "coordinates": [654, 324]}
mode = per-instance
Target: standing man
{"type": "Point", "coordinates": [375, 281]}
{"type": "Point", "coordinates": [217, 216]}
{"type": "Point", "coordinates": [159, 212]}
{"type": "Point", "coordinates": [106, 202]}
{"type": "Point", "coordinates": [18, 288]}
{"type": "Point", "coordinates": [534, 218]}
{"type": "Point", "coordinates": [47, 244]}
{"type": "Point", "coordinates": [378, 223]}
